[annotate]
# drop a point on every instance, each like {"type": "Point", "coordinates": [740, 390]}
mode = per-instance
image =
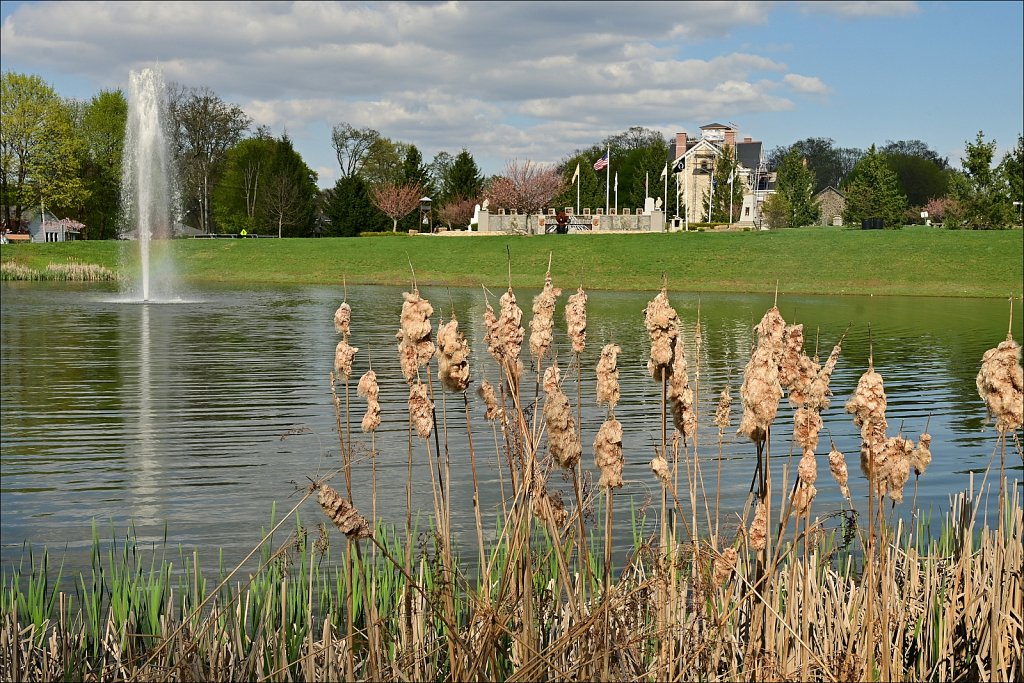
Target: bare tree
{"type": "Point", "coordinates": [525, 187]}
{"type": "Point", "coordinates": [457, 212]}
{"type": "Point", "coordinates": [282, 201]}
{"type": "Point", "coordinates": [352, 145]}
{"type": "Point", "coordinates": [396, 201]}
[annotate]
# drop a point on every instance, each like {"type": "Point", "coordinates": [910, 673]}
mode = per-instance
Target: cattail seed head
{"type": "Point", "coordinates": [758, 532]}
{"type": "Point", "coordinates": [608, 453]}
{"type": "Point", "coordinates": [684, 415]}
{"type": "Point", "coordinates": [761, 390]}
{"type": "Point", "coordinates": [421, 410]}
{"type": "Point", "coordinates": [415, 348]}
{"type": "Point", "coordinates": [807, 425]}
{"type": "Point", "coordinates": [342, 319]}
{"type": "Point", "coordinates": [922, 456]}
{"type": "Point", "coordinates": [1001, 385]}
{"type": "Point", "coordinates": [723, 414]}
{"type": "Point", "coordinates": [659, 466]}
{"type": "Point", "coordinates": [343, 355]}
{"type": "Point", "coordinates": [453, 357]}
{"type": "Point", "coordinates": [342, 513]}
{"type": "Point", "coordinates": [608, 376]}
{"type": "Point", "coordinates": [486, 392]}
{"type": "Point", "coordinates": [542, 323]}
{"type": "Point", "coordinates": [368, 387]}
{"type": "Point", "coordinates": [576, 320]}
{"type": "Point", "coordinates": [724, 565]}
{"type": "Point", "coordinates": [867, 405]}
{"type": "Point", "coordinates": [562, 438]}
{"type": "Point", "coordinates": [837, 465]}
{"type": "Point", "coordinates": [661, 322]}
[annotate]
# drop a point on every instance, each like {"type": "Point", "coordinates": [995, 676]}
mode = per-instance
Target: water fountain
{"type": "Point", "coordinates": [147, 187]}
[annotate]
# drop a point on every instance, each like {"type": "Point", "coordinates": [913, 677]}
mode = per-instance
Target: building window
{"type": "Point", "coordinates": [746, 211]}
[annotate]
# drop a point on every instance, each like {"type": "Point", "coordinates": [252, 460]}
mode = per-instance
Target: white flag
{"type": "Point", "coordinates": [616, 181]}
{"type": "Point", "coordinates": [576, 174]}
{"type": "Point", "coordinates": [664, 171]}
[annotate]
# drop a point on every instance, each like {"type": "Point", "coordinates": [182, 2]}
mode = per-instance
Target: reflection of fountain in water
{"type": "Point", "coordinates": [146, 187]}
{"type": "Point", "coordinates": [145, 473]}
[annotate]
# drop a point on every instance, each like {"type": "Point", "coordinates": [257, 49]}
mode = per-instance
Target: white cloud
{"type": "Point", "coordinates": [811, 85]}
{"type": "Point", "coordinates": [865, 8]}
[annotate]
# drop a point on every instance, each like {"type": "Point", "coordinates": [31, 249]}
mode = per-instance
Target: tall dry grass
{"type": "Point", "coordinates": [790, 595]}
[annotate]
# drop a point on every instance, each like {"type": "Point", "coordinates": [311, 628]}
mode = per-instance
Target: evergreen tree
{"type": "Point", "coordinates": [874, 192]}
{"type": "Point", "coordinates": [350, 211]}
{"type": "Point", "coordinates": [986, 196]}
{"type": "Point", "coordinates": [463, 179]}
{"type": "Point", "coordinates": [795, 182]}
{"type": "Point", "coordinates": [1011, 168]}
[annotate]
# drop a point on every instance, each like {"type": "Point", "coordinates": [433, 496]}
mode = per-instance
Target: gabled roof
{"type": "Point", "coordinates": [748, 154]}
{"type": "Point", "coordinates": [832, 189]}
{"type": "Point", "coordinates": [716, 125]}
{"type": "Point", "coordinates": [692, 149]}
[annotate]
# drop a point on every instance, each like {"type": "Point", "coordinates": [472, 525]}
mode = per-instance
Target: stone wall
{"type": "Point", "coordinates": [542, 223]}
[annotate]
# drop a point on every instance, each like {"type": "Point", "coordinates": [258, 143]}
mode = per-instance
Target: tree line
{"type": "Point", "coordinates": [66, 154]}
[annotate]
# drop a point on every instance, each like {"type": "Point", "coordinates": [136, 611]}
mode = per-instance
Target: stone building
{"type": "Point", "coordinates": [693, 163]}
{"type": "Point", "coordinates": [831, 205]}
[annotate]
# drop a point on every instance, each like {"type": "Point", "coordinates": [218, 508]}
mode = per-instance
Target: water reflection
{"type": "Point", "coordinates": [201, 415]}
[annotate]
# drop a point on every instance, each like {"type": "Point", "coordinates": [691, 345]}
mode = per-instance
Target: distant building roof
{"type": "Point", "coordinates": [716, 125]}
{"type": "Point", "coordinates": [749, 154]}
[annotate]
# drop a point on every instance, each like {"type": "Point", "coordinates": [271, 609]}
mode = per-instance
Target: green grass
{"type": "Point", "coordinates": [912, 261]}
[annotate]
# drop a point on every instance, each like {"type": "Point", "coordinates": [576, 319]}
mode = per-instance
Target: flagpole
{"type": "Point", "coordinates": [616, 192]}
{"type": "Point", "coordinates": [686, 191]}
{"type": "Point", "coordinates": [577, 189]}
{"type": "Point", "coordinates": [665, 199]}
{"type": "Point", "coordinates": [732, 176]}
{"type": "Point", "coordinates": [607, 180]}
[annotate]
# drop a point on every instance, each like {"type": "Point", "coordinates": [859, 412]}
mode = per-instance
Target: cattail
{"type": "Point", "coordinates": [608, 453]}
{"type": "Point", "coordinates": [453, 357]}
{"type": "Point", "coordinates": [1001, 385]}
{"type": "Point", "coordinates": [421, 409]}
{"type": "Point", "coordinates": [486, 392]}
{"type": "Point", "coordinates": [415, 348]}
{"type": "Point", "coordinates": [724, 565]}
{"type": "Point", "coordinates": [794, 366]}
{"type": "Point", "coordinates": [921, 457]}
{"type": "Point", "coordinates": [807, 425]}
{"type": "Point", "coordinates": [545, 504]}
{"type": "Point", "coordinates": [576, 320]}
{"type": "Point", "coordinates": [837, 465]}
{"type": "Point", "coordinates": [368, 387]}
{"type": "Point", "coordinates": [807, 475]}
{"type": "Point", "coordinates": [723, 414]}
{"type": "Point", "coordinates": [803, 497]}
{"type": "Point", "coordinates": [608, 376]}
{"type": "Point", "coordinates": [761, 390]}
{"type": "Point", "coordinates": [343, 355]}
{"type": "Point", "coordinates": [542, 323]}
{"type": "Point", "coordinates": [562, 438]}
{"type": "Point", "coordinates": [818, 392]}
{"type": "Point", "coordinates": [660, 468]}
{"type": "Point", "coordinates": [491, 332]}
{"type": "Point", "coordinates": [899, 471]}
{"type": "Point", "coordinates": [342, 513]}
{"type": "Point", "coordinates": [758, 532]}
{"type": "Point", "coordinates": [684, 415]}
{"type": "Point", "coordinates": [662, 327]}
{"type": "Point", "coordinates": [867, 405]}
{"type": "Point", "coordinates": [342, 318]}
{"type": "Point", "coordinates": [509, 331]}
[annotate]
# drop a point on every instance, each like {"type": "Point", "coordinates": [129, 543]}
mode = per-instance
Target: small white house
{"type": "Point", "coordinates": [48, 228]}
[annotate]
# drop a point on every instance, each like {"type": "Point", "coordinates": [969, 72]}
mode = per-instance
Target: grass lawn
{"type": "Point", "coordinates": [912, 261]}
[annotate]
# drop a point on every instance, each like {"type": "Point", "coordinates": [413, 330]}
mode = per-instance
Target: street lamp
{"type": "Point", "coordinates": [1019, 218]}
{"type": "Point", "coordinates": [425, 214]}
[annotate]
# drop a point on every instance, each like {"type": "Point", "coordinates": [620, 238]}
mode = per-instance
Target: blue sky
{"type": "Point", "coordinates": [540, 80]}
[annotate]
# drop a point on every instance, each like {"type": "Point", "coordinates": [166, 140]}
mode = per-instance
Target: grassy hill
{"type": "Point", "coordinates": [911, 261]}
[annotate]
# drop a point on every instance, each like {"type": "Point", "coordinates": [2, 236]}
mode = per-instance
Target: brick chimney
{"type": "Point", "coordinates": [730, 137]}
{"type": "Point", "coordinates": [748, 139]}
{"type": "Point", "coordinates": [680, 144]}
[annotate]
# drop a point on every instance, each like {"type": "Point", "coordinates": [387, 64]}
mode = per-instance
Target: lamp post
{"type": "Point", "coordinates": [425, 224]}
{"type": "Point", "coordinates": [1020, 212]}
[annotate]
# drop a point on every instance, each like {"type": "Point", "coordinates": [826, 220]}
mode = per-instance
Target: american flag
{"type": "Point", "coordinates": [601, 163]}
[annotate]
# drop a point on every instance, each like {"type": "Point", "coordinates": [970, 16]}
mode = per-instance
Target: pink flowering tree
{"type": "Point", "coordinates": [525, 187]}
{"type": "Point", "coordinates": [396, 201]}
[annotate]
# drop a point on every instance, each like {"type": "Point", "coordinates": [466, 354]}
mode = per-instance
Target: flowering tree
{"type": "Point", "coordinates": [525, 187]}
{"type": "Point", "coordinates": [457, 212]}
{"type": "Point", "coordinates": [396, 201]}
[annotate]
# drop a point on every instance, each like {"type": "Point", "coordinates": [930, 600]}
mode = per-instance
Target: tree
{"type": "Point", "coordinates": [795, 181]}
{"type": "Point", "coordinates": [103, 121]}
{"type": "Point", "coordinates": [776, 211]}
{"type": "Point", "coordinates": [1011, 168]}
{"type": "Point", "coordinates": [348, 207]}
{"type": "Point", "coordinates": [918, 177]}
{"type": "Point", "coordinates": [591, 185]}
{"type": "Point", "coordinates": [291, 195]}
{"type": "Point", "coordinates": [526, 188]}
{"type": "Point", "coordinates": [457, 213]}
{"type": "Point", "coordinates": [383, 162]}
{"type": "Point", "coordinates": [830, 164]}
{"type": "Point", "coordinates": [352, 145]}
{"type": "Point", "coordinates": [25, 103]}
{"type": "Point", "coordinates": [461, 179]}
{"type": "Point", "coordinates": [915, 148]}
{"type": "Point", "coordinates": [205, 127]}
{"type": "Point", "coordinates": [396, 201]}
{"type": "Point", "coordinates": [874, 192]}
{"type": "Point", "coordinates": [240, 188]}
{"type": "Point", "coordinates": [56, 167]}
{"type": "Point", "coordinates": [986, 195]}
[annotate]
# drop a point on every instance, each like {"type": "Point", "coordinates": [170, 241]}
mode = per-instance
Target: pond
{"type": "Point", "coordinates": [190, 421]}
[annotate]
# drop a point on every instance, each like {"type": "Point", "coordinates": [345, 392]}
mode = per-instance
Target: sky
{"type": "Point", "coordinates": [540, 81]}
